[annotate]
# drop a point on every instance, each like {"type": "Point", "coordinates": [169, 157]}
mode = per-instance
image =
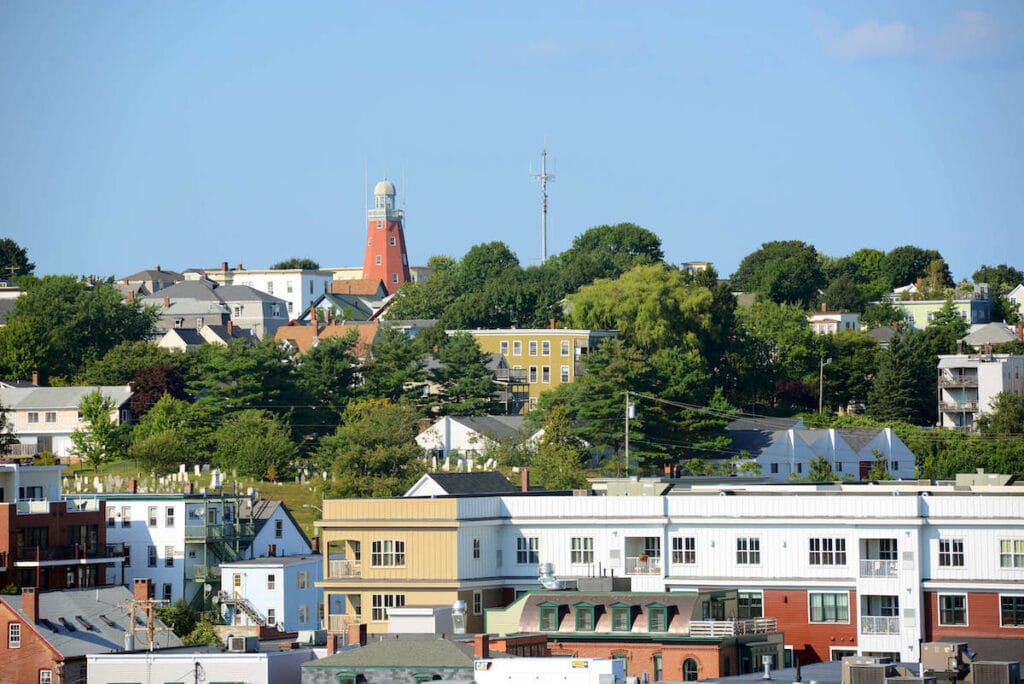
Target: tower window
{"type": "Point", "coordinates": [377, 260]}
{"type": "Point", "coordinates": [380, 224]}
{"type": "Point", "coordinates": [394, 277]}
{"type": "Point", "coordinates": [392, 241]}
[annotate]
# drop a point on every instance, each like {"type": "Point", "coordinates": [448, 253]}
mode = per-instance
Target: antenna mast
{"type": "Point", "coordinates": [543, 177]}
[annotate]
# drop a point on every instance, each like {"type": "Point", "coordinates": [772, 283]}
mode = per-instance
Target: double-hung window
{"type": "Point", "coordinates": [1011, 553]}
{"type": "Point", "coordinates": [381, 603]}
{"type": "Point", "coordinates": [951, 553]}
{"type": "Point", "coordinates": [748, 551]}
{"type": "Point", "coordinates": [827, 551]}
{"type": "Point", "coordinates": [1011, 611]}
{"type": "Point", "coordinates": [527, 550]}
{"type": "Point", "coordinates": [829, 607]}
{"type": "Point", "coordinates": [953, 609]}
{"type": "Point", "coordinates": [684, 550]}
{"type": "Point", "coordinates": [582, 549]}
{"type": "Point", "coordinates": [387, 553]}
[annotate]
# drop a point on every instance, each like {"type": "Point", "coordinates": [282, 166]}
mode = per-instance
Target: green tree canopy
{"type": "Point", "coordinates": [394, 371]}
{"type": "Point", "coordinates": [62, 324]}
{"type": "Point", "coordinates": [1004, 417]}
{"type": "Point", "coordinates": [14, 260]}
{"type": "Point", "coordinates": [607, 251]}
{"type": "Point", "coordinates": [374, 452]}
{"type": "Point", "coordinates": [240, 375]}
{"type": "Point", "coordinates": [1000, 279]}
{"type": "Point", "coordinates": [483, 263]}
{"type": "Point", "coordinates": [785, 272]}
{"type": "Point", "coordinates": [304, 263]}
{"type": "Point", "coordinates": [904, 387]}
{"type": "Point", "coordinates": [120, 364]}
{"type": "Point", "coordinates": [905, 265]}
{"type": "Point", "coordinates": [256, 444]}
{"type": "Point", "coordinates": [467, 387]}
{"type": "Point", "coordinates": [430, 298]}
{"type": "Point", "coordinates": [560, 456]}
{"type": "Point", "coordinates": [326, 379]}
{"type": "Point", "coordinates": [100, 438]}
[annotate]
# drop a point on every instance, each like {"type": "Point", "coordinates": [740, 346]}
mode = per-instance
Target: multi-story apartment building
{"type": "Point", "coordinates": [969, 382]}
{"type": "Point", "coordinates": [538, 359]}
{"type": "Point", "coordinates": [43, 418]}
{"type": "Point", "coordinates": [298, 287]}
{"type": "Point", "coordinates": [844, 568]}
{"type": "Point", "coordinates": [180, 540]}
{"type": "Point", "coordinates": [50, 543]}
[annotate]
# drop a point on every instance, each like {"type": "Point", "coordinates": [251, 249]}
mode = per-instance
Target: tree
{"type": "Point", "coordinates": [254, 443]}
{"type": "Point", "coordinates": [820, 470]}
{"type": "Point", "coordinates": [240, 375]}
{"type": "Point", "coordinates": [607, 251]}
{"type": "Point", "coordinates": [100, 439]}
{"type": "Point", "coordinates": [179, 617]}
{"type": "Point", "coordinates": [162, 452]}
{"type": "Point", "coordinates": [374, 452]}
{"type": "Point", "coordinates": [62, 324]}
{"type": "Point", "coordinates": [946, 328]}
{"type": "Point", "coordinates": [1000, 279]}
{"type": "Point", "coordinates": [14, 260]}
{"type": "Point", "coordinates": [467, 387]}
{"type": "Point", "coordinates": [785, 272]}
{"type": "Point", "coordinates": [305, 264]}
{"type": "Point", "coordinates": [848, 378]}
{"type": "Point", "coordinates": [7, 436]}
{"type": "Point", "coordinates": [173, 431]}
{"type": "Point", "coordinates": [325, 377]}
{"type": "Point", "coordinates": [393, 371]}
{"type": "Point", "coordinates": [558, 464]}
{"type": "Point", "coordinates": [776, 353]}
{"type": "Point", "coordinates": [483, 263]}
{"type": "Point", "coordinates": [904, 387]}
{"type": "Point", "coordinates": [843, 294]}
{"type": "Point", "coordinates": [879, 467]}
{"type": "Point", "coordinates": [905, 265]}
{"type": "Point", "coordinates": [430, 298]}
{"type": "Point", "coordinates": [1004, 417]}
{"type": "Point", "coordinates": [151, 383]}
{"type": "Point", "coordinates": [203, 635]}
{"type": "Point", "coordinates": [883, 315]}
{"type": "Point", "coordinates": [119, 365]}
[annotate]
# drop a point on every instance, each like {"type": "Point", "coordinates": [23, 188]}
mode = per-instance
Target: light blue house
{"type": "Point", "coordinates": [274, 591]}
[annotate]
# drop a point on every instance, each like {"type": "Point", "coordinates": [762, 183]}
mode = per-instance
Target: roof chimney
{"type": "Point", "coordinates": [158, 268]}
{"type": "Point", "coordinates": [167, 302]}
{"type": "Point", "coordinates": [1020, 331]}
{"type": "Point", "coordinates": [314, 545]}
{"type": "Point", "coordinates": [482, 645]}
{"type": "Point", "coordinates": [131, 297]}
{"type": "Point", "coordinates": [824, 307]}
{"type": "Point", "coordinates": [224, 266]}
{"type": "Point", "coordinates": [143, 589]}
{"type": "Point", "coordinates": [526, 479]}
{"type": "Point", "coordinates": [133, 486]}
{"type": "Point", "coordinates": [231, 328]}
{"type": "Point", "coordinates": [552, 321]}
{"type": "Point", "coordinates": [239, 268]}
{"type": "Point", "coordinates": [30, 604]}
{"type": "Point", "coordinates": [35, 378]}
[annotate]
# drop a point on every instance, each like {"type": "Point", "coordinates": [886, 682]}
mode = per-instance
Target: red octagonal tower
{"type": "Point", "coordinates": [386, 258]}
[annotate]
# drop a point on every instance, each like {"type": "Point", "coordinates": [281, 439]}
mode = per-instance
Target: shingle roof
{"type": "Point", "coordinates": [59, 397]}
{"type": "Point", "coordinates": [367, 286]}
{"type": "Point", "coordinates": [160, 276]}
{"type": "Point", "coordinates": [189, 336]}
{"type": "Point", "coordinates": [992, 333]}
{"type": "Point", "coordinates": [495, 427]}
{"type": "Point", "coordinates": [303, 336]}
{"type": "Point", "coordinates": [244, 293]}
{"type": "Point", "coordinates": [404, 653]}
{"type": "Point", "coordinates": [487, 482]}
{"type": "Point", "coordinates": [92, 634]}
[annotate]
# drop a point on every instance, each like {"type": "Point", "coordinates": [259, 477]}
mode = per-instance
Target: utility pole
{"type": "Point", "coordinates": [821, 382]}
{"type": "Point", "coordinates": [543, 177]}
{"type": "Point", "coordinates": [148, 605]}
{"type": "Point", "coordinates": [630, 413]}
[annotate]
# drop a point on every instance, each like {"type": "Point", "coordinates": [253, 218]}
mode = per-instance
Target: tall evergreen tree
{"type": "Point", "coordinates": [467, 387]}
{"type": "Point", "coordinates": [903, 389]}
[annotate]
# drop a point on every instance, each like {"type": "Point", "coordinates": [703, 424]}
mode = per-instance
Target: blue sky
{"type": "Point", "coordinates": [190, 133]}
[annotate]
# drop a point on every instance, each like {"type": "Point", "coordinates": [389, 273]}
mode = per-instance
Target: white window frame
{"type": "Point", "coordinates": [387, 553]}
{"type": "Point", "coordinates": [302, 580]}
{"type": "Point", "coordinates": [1013, 556]}
{"type": "Point", "coordinates": [151, 558]}
{"type": "Point", "coordinates": [379, 604]}
{"type": "Point", "coordinates": [46, 677]}
{"type": "Point", "coordinates": [152, 515]}
{"type": "Point", "coordinates": [533, 347]}
{"type": "Point", "coordinates": [33, 416]}
{"type": "Point", "coordinates": [545, 348]}
{"type": "Point", "coordinates": [517, 348]}
{"type": "Point", "coordinates": [168, 556]}
{"type": "Point", "coordinates": [527, 550]}
{"type": "Point", "coordinates": [684, 550]}
{"type": "Point", "coordinates": [545, 375]}
{"type": "Point", "coordinates": [823, 621]}
{"type": "Point", "coordinates": [1016, 597]}
{"type": "Point", "coordinates": [533, 375]}
{"type": "Point", "coordinates": [582, 550]}
{"type": "Point", "coordinates": [939, 609]}
{"type": "Point", "coordinates": [826, 551]}
{"type": "Point", "coordinates": [271, 582]}
{"type": "Point", "coordinates": [503, 347]}
{"type": "Point", "coordinates": [478, 602]}
{"type": "Point", "coordinates": [14, 635]}
{"type": "Point", "coordinates": [169, 517]}
{"type": "Point", "coordinates": [748, 550]}
{"type": "Point", "coordinates": [564, 377]}
{"type": "Point", "coordinates": [951, 553]}
{"type": "Point", "coordinates": [271, 616]}
{"type": "Point", "coordinates": [476, 549]}
{"type": "Point", "coordinates": [565, 348]}
{"type": "Point", "coordinates": [303, 614]}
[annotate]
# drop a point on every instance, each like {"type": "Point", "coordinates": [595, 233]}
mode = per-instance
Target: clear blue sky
{"type": "Point", "coordinates": [190, 133]}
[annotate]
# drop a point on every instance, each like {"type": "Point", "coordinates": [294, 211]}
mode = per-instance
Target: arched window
{"type": "Point", "coordinates": [689, 670]}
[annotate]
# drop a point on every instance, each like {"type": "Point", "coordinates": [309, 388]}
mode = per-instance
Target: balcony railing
{"type": "Point", "coordinates": [510, 375]}
{"type": "Point", "coordinates": [201, 573]}
{"type": "Point", "coordinates": [643, 565]}
{"type": "Point", "coordinates": [27, 506]}
{"type": "Point", "coordinates": [66, 552]}
{"type": "Point", "coordinates": [958, 381]}
{"type": "Point", "coordinates": [960, 406]}
{"type": "Point", "coordinates": [222, 531]}
{"type": "Point", "coordinates": [83, 505]}
{"type": "Point", "coordinates": [341, 569]}
{"type": "Point", "coordinates": [341, 623]}
{"type": "Point", "coordinates": [877, 624]}
{"type": "Point", "coordinates": [875, 567]}
{"type": "Point", "coordinates": [731, 628]}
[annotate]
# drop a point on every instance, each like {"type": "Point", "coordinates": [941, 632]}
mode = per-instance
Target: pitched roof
{"type": "Point", "coordinates": [159, 276]}
{"type": "Point", "coordinates": [245, 293]}
{"type": "Point", "coordinates": [59, 397]}
{"type": "Point", "coordinates": [302, 337]}
{"type": "Point", "coordinates": [189, 336]}
{"type": "Point", "coordinates": [363, 286]}
{"type": "Point", "coordinates": [682, 603]}
{"type": "Point", "coordinates": [81, 621]}
{"type": "Point", "coordinates": [404, 653]}
{"type": "Point", "coordinates": [263, 510]}
{"type": "Point", "coordinates": [991, 333]}
{"type": "Point", "coordinates": [487, 482]}
{"type": "Point", "coordinates": [495, 427]}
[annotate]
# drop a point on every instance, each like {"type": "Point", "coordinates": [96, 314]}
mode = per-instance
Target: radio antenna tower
{"type": "Point", "coordinates": [543, 177]}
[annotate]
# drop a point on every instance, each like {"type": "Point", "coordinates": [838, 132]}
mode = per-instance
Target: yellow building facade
{"type": "Point", "coordinates": [539, 359]}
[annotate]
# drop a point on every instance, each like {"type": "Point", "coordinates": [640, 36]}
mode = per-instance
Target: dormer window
{"type": "Point", "coordinates": [622, 617]}
{"type": "Point", "coordinates": [657, 617]}
{"type": "Point", "coordinates": [585, 617]}
{"type": "Point", "coordinates": [548, 617]}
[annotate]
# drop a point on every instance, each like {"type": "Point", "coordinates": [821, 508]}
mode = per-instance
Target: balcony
{"type": "Point", "coordinates": [876, 567]}
{"type": "Point", "coordinates": [342, 569]}
{"type": "Point", "coordinates": [960, 406]}
{"type": "Point", "coordinates": [83, 505]}
{"type": "Point", "coordinates": [30, 556]}
{"type": "Point", "coordinates": [221, 532]}
{"type": "Point", "coordinates": [341, 623]}
{"type": "Point", "coordinates": [878, 624]}
{"type": "Point", "coordinates": [201, 573]}
{"type": "Point", "coordinates": [730, 628]}
{"type": "Point", "coordinates": [958, 381]}
{"type": "Point", "coordinates": [30, 506]}
{"type": "Point", "coordinates": [510, 376]}
{"type": "Point", "coordinates": [643, 565]}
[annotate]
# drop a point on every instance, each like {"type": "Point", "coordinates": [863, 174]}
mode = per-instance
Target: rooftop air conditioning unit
{"type": "Point", "coordinates": [243, 644]}
{"type": "Point", "coordinates": [870, 674]}
{"type": "Point", "coordinates": [993, 672]}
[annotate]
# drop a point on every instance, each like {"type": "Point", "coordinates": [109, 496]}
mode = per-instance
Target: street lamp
{"type": "Point", "coordinates": [821, 382]}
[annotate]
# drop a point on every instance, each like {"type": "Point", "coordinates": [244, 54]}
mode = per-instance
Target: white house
{"type": "Point", "coordinates": [1016, 295]}
{"type": "Point", "coordinates": [458, 442]}
{"type": "Point", "coordinates": [298, 287]}
{"type": "Point", "coordinates": [785, 449]}
{"type": "Point", "coordinates": [277, 591]}
{"type": "Point", "coordinates": [830, 322]}
{"type": "Point", "coordinates": [43, 418]}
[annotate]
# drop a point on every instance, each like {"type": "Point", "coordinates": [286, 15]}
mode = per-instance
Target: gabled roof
{"type": "Point", "coordinates": [495, 427]}
{"type": "Point", "coordinates": [221, 333]}
{"type": "Point", "coordinates": [991, 333]}
{"type": "Point", "coordinates": [244, 293]}
{"type": "Point", "coordinates": [200, 290]}
{"type": "Point", "coordinates": [487, 482]}
{"type": "Point", "coordinates": [404, 653]}
{"type": "Point", "coordinates": [154, 275]}
{"type": "Point", "coordinates": [77, 622]}
{"type": "Point", "coordinates": [59, 397]}
{"type": "Point", "coordinates": [373, 287]}
{"type": "Point", "coordinates": [188, 336]}
{"type": "Point", "coordinates": [263, 510]}
{"type": "Point", "coordinates": [303, 337]}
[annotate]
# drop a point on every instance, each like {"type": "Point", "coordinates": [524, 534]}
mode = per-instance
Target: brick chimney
{"type": "Point", "coordinates": [157, 268]}
{"type": "Point", "coordinates": [239, 268]}
{"type": "Point", "coordinates": [482, 645]}
{"type": "Point", "coordinates": [1020, 331]}
{"type": "Point", "coordinates": [526, 479]}
{"type": "Point", "coordinates": [231, 328]}
{"type": "Point", "coordinates": [30, 604]}
{"type": "Point", "coordinates": [224, 266]}
{"type": "Point", "coordinates": [35, 378]}
{"type": "Point", "coordinates": [552, 321]}
{"type": "Point", "coordinates": [133, 486]}
{"type": "Point", "coordinates": [824, 307]}
{"type": "Point", "coordinates": [167, 302]}
{"type": "Point", "coordinates": [357, 634]}
{"type": "Point", "coordinates": [131, 297]}
{"type": "Point", "coordinates": [143, 589]}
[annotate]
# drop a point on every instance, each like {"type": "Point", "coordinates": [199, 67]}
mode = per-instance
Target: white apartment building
{"type": "Point", "coordinates": [179, 540]}
{"type": "Point", "coordinates": [298, 287]}
{"type": "Point", "coordinates": [845, 568]}
{"type": "Point", "coordinates": [276, 591]}
{"type": "Point", "coordinates": [969, 382]}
